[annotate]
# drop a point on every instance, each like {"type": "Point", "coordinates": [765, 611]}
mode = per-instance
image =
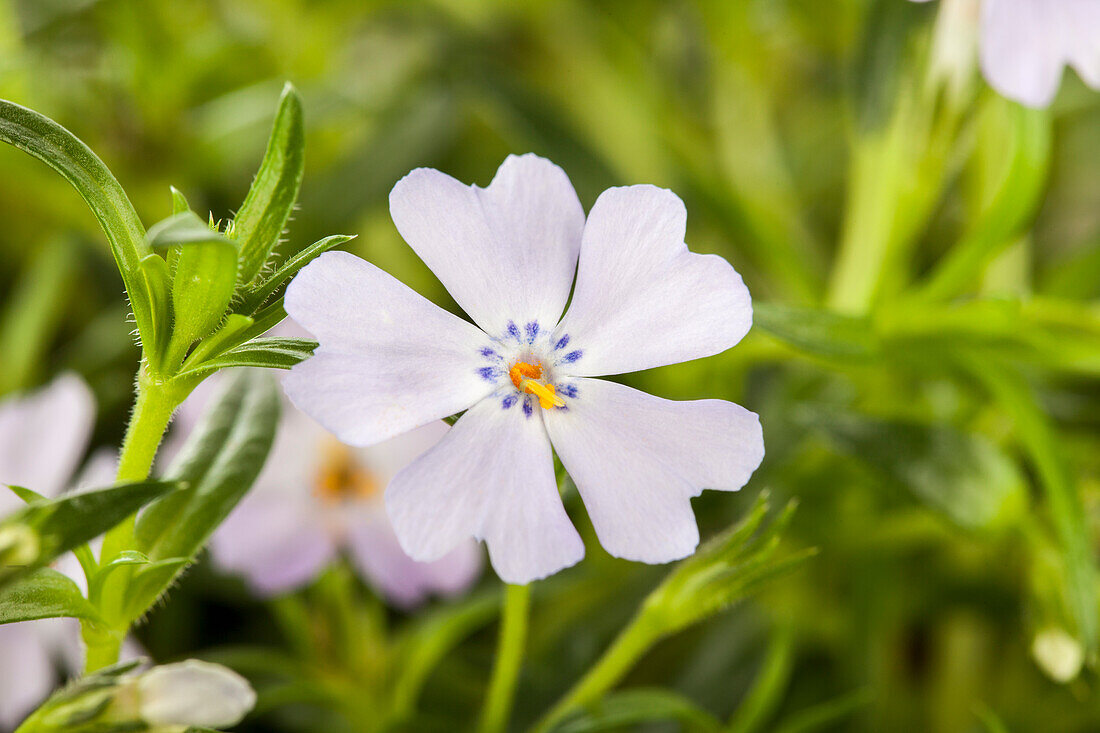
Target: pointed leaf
{"type": "Point", "coordinates": [270, 353]}
{"type": "Point", "coordinates": [254, 299]}
{"type": "Point", "coordinates": [265, 211]}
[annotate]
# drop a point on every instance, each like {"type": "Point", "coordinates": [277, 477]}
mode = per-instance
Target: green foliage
{"type": "Point", "coordinates": [44, 593]}
{"type": "Point", "coordinates": [218, 464]}
{"type": "Point", "coordinates": [55, 526]}
{"type": "Point", "coordinates": [263, 215]}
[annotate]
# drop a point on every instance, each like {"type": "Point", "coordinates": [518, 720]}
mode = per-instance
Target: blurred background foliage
{"type": "Point", "coordinates": [924, 257]}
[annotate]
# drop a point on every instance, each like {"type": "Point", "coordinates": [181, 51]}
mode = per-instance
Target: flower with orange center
{"type": "Point", "coordinates": [389, 361]}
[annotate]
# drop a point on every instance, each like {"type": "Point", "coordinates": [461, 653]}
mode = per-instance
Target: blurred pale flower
{"type": "Point", "coordinates": [1058, 654]}
{"type": "Point", "coordinates": [1025, 45]}
{"type": "Point", "coordinates": [316, 497]}
{"type": "Point", "coordinates": [390, 361]}
{"type": "Point", "coordinates": [192, 693]}
{"type": "Point", "coordinates": [43, 435]}
{"type": "Point", "coordinates": [42, 438]}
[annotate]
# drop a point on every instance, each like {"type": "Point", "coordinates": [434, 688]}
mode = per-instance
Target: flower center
{"type": "Point", "coordinates": [528, 378]}
{"type": "Point", "coordinates": [341, 477]}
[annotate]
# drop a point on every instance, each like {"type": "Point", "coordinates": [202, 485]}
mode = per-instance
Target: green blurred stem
{"type": "Point", "coordinates": [642, 633]}
{"type": "Point", "coordinates": [513, 640]}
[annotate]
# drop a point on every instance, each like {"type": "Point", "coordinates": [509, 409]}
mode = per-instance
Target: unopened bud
{"type": "Point", "coordinates": [192, 693]}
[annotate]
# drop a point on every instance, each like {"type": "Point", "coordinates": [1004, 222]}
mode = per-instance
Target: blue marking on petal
{"type": "Point", "coordinates": [527, 409]}
{"type": "Point", "coordinates": [490, 354]}
{"type": "Point", "coordinates": [569, 390]}
{"type": "Point", "coordinates": [513, 331]}
{"type": "Point", "coordinates": [532, 331]}
{"type": "Point", "coordinates": [489, 374]}
{"type": "Point", "coordinates": [572, 356]}
{"type": "Point", "coordinates": [562, 343]}
{"type": "Point", "coordinates": [509, 401]}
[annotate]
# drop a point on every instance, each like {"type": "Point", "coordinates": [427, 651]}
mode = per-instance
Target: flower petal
{"type": "Point", "coordinates": [642, 299]}
{"type": "Point", "coordinates": [1022, 49]}
{"type": "Point", "coordinates": [43, 436]}
{"type": "Point", "coordinates": [503, 252]}
{"type": "Point", "coordinates": [638, 459]}
{"type": "Point", "coordinates": [404, 581]}
{"type": "Point", "coordinates": [277, 542]}
{"type": "Point", "coordinates": [1081, 19]}
{"type": "Point", "coordinates": [389, 360]}
{"type": "Point", "coordinates": [490, 477]}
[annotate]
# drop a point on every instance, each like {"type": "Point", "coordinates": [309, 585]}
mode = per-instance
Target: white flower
{"type": "Point", "coordinates": [43, 436]}
{"type": "Point", "coordinates": [390, 361]}
{"type": "Point", "coordinates": [1025, 45]}
{"type": "Point", "coordinates": [316, 497]}
{"type": "Point", "coordinates": [193, 693]}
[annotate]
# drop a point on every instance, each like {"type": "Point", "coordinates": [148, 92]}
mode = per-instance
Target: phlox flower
{"type": "Point", "coordinates": [317, 497]}
{"type": "Point", "coordinates": [1024, 45]}
{"type": "Point", "coordinates": [43, 436]}
{"type": "Point", "coordinates": [390, 361]}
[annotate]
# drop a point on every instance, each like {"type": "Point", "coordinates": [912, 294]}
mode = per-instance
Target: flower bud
{"type": "Point", "coordinates": [193, 693]}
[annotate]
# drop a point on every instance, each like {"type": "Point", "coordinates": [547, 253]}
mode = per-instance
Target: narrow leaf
{"type": "Point", "coordinates": [271, 353]}
{"type": "Point", "coordinates": [254, 299]}
{"type": "Point", "coordinates": [265, 211]}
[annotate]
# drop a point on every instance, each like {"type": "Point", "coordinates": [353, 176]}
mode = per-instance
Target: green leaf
{"type": "Point", "coordinates": [962, 475]}
{"type": "Point", "coordinates": [265, 211]}
{"type": "Point", "coordinates": [157, 281]}
{"type": "Point", "coordinates": [818, 332]}
{"type": "Point", "coordinates": [219, 462]}
{"type": "Point", "coordinates": [61, 150]}
{"type": "Point", "coordinates": [73, 519]}
{"type": "Point", "coordinates": [271, 353]}
{"type": "Point", "coordinates": [179, 201]}
{"type": "Point", "coordinates": [45, 593]}
{"type": "Point", "coordinates": [124, 559]}
{"type": "Point", "coordinates": [203, 281]}
{"type": "Point", "coordinates": [640, 706]}
{"type": "Point", "coordinates": [254, 299]}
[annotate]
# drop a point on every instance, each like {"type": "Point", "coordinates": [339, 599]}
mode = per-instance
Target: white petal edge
{"type": "Point", "coordinates": [491, 477]}
{"type": "Point", "coordinates": [43, 435]}
{"type": "Point", "coordinates": [1022, 49]}
{"type": "Point", "coordinates": [389, 360]}
{"type": "Point", "coordinates": [506, 252]}
{"type": "Point", "coordinates": [637, 461]}
{"type": "Point", "coordinates": [642, 299]}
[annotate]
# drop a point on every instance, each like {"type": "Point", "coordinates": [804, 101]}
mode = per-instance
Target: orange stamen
{"type": "Point", "coordinates": [341, 476]}
{"type": "Point", "coordinates": [526, 378]}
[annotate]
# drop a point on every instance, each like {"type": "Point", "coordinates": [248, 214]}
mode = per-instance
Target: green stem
{"type": "Point", "coordinates": [513, 640]}
{"type": "Point", "coordinates": [153, 408]}
{"type": "Point", "coordinates": [630, 645]}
